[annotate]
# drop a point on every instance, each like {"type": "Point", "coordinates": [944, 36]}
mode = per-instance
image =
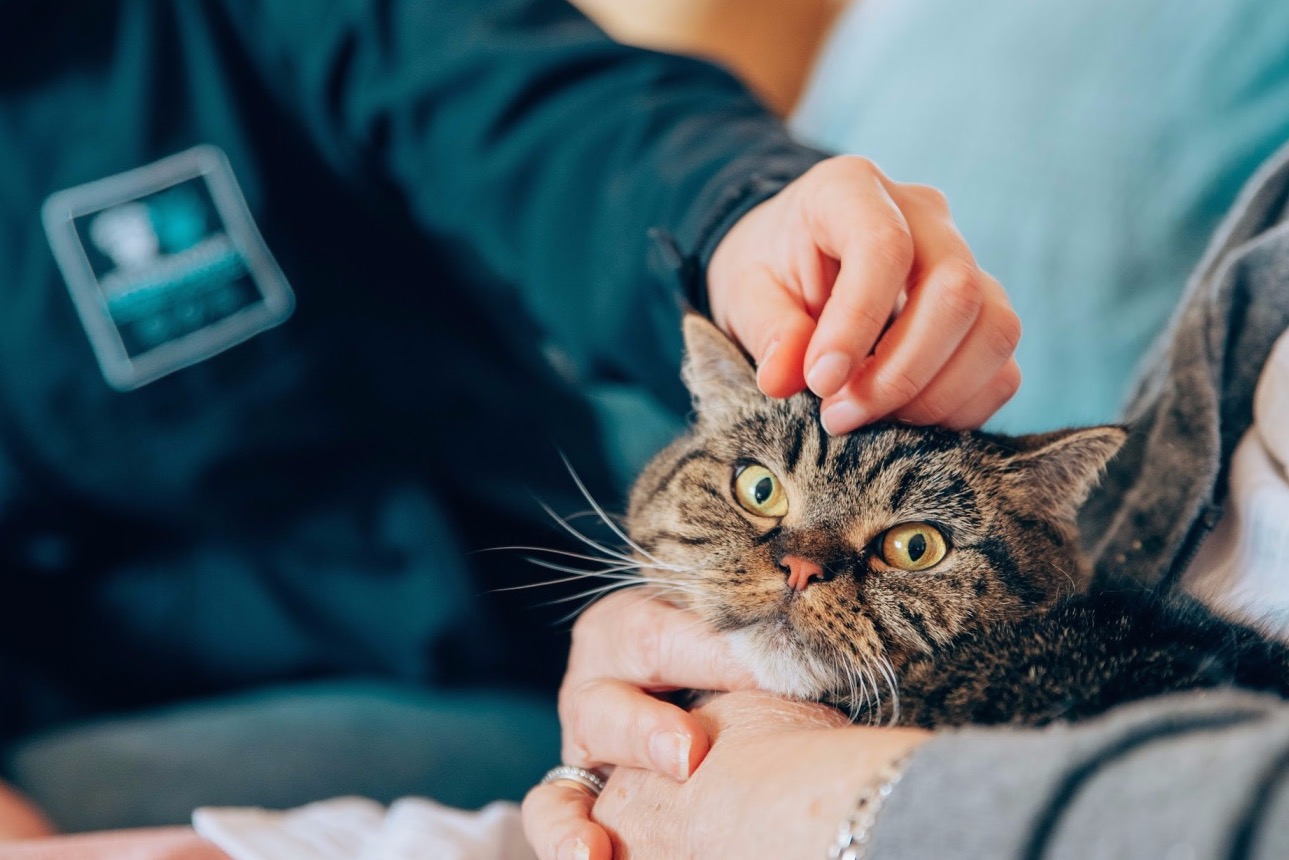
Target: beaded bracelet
{"type": "Point", "coordinates": [857, 829]}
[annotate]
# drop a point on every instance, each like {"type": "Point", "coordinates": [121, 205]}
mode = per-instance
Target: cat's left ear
{"type": "Point", "coordinates": [1060, 469]}
{"type": "Point", "coordinates": [716, 372]}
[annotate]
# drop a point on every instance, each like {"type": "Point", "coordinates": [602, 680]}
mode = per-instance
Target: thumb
{"type": "Point", "coordinates": [771, 324]}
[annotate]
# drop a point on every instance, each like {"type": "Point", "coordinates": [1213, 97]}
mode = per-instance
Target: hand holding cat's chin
{"type": "Point", "coordinates": [864, 289]}
{"type": "Point", "coordinates": [626, 647]}
{"type": "Point", "coordinates": [779, 778]}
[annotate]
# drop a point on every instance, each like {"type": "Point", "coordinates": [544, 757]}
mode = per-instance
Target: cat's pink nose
{"type": "Point", "coordinates": [800, 571]}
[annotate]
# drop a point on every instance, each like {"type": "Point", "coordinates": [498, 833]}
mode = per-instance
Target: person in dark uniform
{"type": "Point", "coordinates": [300, 303]}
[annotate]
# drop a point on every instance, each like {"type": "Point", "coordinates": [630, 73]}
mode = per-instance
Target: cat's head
{"type": "Point", "coordinates": [830, 560]}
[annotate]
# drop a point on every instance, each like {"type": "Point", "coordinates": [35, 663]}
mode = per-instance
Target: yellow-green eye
{"type": "Point", "coordinates": [913, 546]}
{"type": "Point", "coordinates": [759, 492]}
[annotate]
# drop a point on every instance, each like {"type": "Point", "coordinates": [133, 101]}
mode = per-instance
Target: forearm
{"type": "Point", "coordinates": [519, 130]}
{"type": "Point", "coordinates": [1179, 770]}
{"type": "Point", "coordinates": [770, 45]}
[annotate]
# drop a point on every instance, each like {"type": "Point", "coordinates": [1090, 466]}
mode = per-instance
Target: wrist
{"type": "Point", "coordinates": [856, 830]}
{"type": "Point", "coordinates": [806, 784]}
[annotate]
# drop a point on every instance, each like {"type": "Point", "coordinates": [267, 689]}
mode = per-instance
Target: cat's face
{"type": "Point", "coordinates": [828, 561]}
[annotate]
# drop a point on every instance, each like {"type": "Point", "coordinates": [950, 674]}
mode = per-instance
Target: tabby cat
{"type": "Point", "coordinates": [911, 575]}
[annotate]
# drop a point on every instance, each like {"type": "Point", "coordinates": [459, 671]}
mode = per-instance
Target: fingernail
{"type": "Point", "coordinates": [765, 359]}
{"type": "Point", "coordinates": [843, 417]}
{"type": "Point", "coordinates": [574, 849]}
{"type": "Point", "coordinates": [670, 753]}
{"type": "Point", "coordinates": [829, 374]}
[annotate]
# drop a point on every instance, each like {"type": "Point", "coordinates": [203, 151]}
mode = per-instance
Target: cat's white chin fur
{"type": "Point", "coordinates": [781, 667]}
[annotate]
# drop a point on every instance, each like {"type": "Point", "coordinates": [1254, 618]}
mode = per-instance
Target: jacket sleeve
{"type": "Point", "coordinates": [560, 159]}
{"type": "Point", "coordinates": [1195, 775]}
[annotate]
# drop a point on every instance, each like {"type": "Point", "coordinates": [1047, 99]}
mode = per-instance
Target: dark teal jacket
{"type": "Point", "coordinates": [486, 211]}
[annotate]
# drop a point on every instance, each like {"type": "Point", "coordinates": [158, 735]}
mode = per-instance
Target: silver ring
{"type": "Point", "coordinates": [578, 777]}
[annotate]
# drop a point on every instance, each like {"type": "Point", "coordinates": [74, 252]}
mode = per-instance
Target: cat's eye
{"type": "Point", "coordinates": [913, 546]}
{"type": "Point", "coordinates": [759, 492]}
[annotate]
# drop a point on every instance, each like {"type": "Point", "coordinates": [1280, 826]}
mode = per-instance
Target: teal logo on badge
{"type": "Point", "coordinates": [165, 265]}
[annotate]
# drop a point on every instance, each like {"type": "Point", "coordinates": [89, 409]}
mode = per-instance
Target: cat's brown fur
{"type": "Point", "coordinates": [866, 629]}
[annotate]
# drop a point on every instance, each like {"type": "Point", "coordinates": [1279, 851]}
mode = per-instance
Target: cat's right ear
{"type": "Point", "coordinates": [716, 372]}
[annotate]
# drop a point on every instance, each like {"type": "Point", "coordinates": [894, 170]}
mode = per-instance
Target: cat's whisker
{"type": "Point", "coordinates": [853, 700]}
{"type": "Point", "coordinates": [866, 693]}
{"type": "Point", "coordinates": [578, 515]}
{"type": "Point", "coordinates": [591, 542]}
{"type": "Point", "coordinates": [868, 687]}
{"type": "Point", "coordinates": [882, 684]}
{"type": "Point", "coordinates": [1073, 585]}
{"type": "Point", "coordinates": [618, 570]}
{"type": "Point", "coordinates": [892, 683]}
{"type": "Point", "coordinates": [667, 587]}
{"type": "Point", "coordinates": [552, 551]}
{"type": "Point", "coordinates": [543, 583]}
{"type": "Point", "coordinates": [604, 516]}
{"type": "Point", "coordinates": [587, 597]}
{"type": "Point", "coordinates": [598, 591]}
{"type": "Point", "coordinates": [626, 580]}
{"type": "Point", "coordinates": [620, 578]}
{"type": "Point", "coordinates": [621, 582]}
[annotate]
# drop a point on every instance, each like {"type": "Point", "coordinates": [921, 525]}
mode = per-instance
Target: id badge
{"type": "Point", "coordinates": [165, 265]}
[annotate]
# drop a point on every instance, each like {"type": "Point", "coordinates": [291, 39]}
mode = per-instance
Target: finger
{"type": "Point", "coordinates": [943, 304]}
{"type": "Point", "coordinates": [636, 638]}
{"type": "Point", "coordinates": [988, 401]}
{"type": "Point", "coordinates": [986, 350]}
{"type": "Point", "coordinates": [609, 722]}
{"type": "Point", "coordinates": [557, 823]}
{"type": "Point", "coordinates": [775, 328]}
{"type": "Point", "coordinates": [858, 223]}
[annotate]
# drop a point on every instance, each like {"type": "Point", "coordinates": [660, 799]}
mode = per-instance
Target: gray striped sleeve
{"type": "Point", "coordinates": [1200, 775]}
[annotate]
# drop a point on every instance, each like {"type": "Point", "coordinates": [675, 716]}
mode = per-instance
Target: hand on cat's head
{"type": "Point", "coordinates": [864, 289]}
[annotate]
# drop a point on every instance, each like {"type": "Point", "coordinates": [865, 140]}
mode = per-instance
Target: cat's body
{"type": "Point", "coordinates": [914, 575]}
{"type": "Point", "coordinates": [1083, 656]}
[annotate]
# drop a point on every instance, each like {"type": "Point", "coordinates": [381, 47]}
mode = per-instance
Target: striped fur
{"type": "Point", "coordinates": [1006, 506]}
{"type": "Point", "coordinates": [1000, 630]}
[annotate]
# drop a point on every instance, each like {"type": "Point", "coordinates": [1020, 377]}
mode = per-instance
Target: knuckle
{"type": "Point", "coordinates": [896, 387]}
{"type": "Point", "coordinates": [892, 242]}
{"type": "Point", "coordinates": [928, 195]}
{"type": "Point", "coordinates": [648, 650]}
{"type": "Point", "coordinates": [858, 165]}
{"type": "Point", "coordinates": [930, 409]}
{"type": "Point", "coordinates": [1008, 381]}
{"type": "Point", "coordinates": [863, 317]}
{"type": "Point", "coordinates": [573, 746]}
{"type": "Point", "coordinates": [569, 694]}
{"type": "Point", "coordinates": [961, 290]}
{"type": "Point", "coordinates": [761, 337]}
{"type": "Point", "coordinates": [1005, 331]}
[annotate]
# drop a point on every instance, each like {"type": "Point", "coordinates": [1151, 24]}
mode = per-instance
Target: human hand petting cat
{"type": "Point", "coordinates": [863, 289]}
{"type": "Point", "coordinates": [779, 778]}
